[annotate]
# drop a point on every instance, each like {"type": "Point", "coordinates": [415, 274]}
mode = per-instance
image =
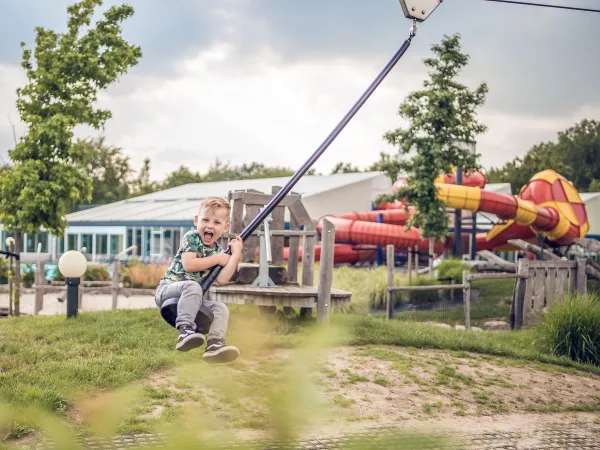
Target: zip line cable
{"type": "Point", "coordinates": [573, 8]}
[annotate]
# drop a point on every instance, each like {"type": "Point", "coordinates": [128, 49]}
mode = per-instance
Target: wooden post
{"type": "Point", "coordinates": [278, 223]}
{"type": "Point", "coordinates": [467, 299]}
{"type": "Point", "coordinates": [409, 265]}
{"type": "Point", "coordinates": [581, 276]}
{"type": "Point", "coordinates": [17, 309]}
{"type": "Point", "coordinates": [390, 280]}
{"type": "Point", "coordinates": [325, 272]}
{"type": "Point", "coordinates": [114, 288]}
{"type": "Point", "coordinates": [40, 281]}
{"type": "Point", "coordinates": [294, 243]}
{"type": "Point", "coordinates": [11, 275]}
{"type": "Point", "coordinates": [431, 257]}
{"type": "Point", "coordinates": [416, 261]}
{"type": "Point", "coordinates": [308, 255]}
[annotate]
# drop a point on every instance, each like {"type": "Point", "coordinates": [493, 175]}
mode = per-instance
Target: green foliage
{"type": "Point", "coordinates": [27, 275]}
{"type": "Point", "coordinates": [575, 155]}
{"type": "Point", "coordinates": [452, 268]}
{"type": "Point", "coordinates": [571, 328]}
{"type": "Point", "coordinates": [109, 169]}
{"type": "Point", "coordinates": [93, 272]}
{"type": "Point", "coordinates": [219, 171]}
{"type": "Point", "coordinates": [343, 167]}
{"type": "Point", "coordinates": [65, 73]}
{"type": "Point", "coordinates": [3, 270]}
{"type": "Point", "coordinates": [388, 164]}
{"type": "Point", "coordinates": [439, 116]}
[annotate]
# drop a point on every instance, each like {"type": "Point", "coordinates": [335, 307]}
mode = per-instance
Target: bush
{"type": "Point", "coordinates": [145, 276]}
{"type": "Point", "coordinates": [572, 328]}
{"type": "Point", "coordinates": [452, 268]}
{"type": "Point", "coordinates": [3, 270]}
{"type": "Point", "coordinates": [93, 272]}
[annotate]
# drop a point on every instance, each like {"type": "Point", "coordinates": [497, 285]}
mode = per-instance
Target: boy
{"type": "Point", "coordinates": [197, 254]}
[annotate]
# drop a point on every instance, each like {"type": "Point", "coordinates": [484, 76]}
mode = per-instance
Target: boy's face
{"type": "Point", "coordinates": [211, 224]}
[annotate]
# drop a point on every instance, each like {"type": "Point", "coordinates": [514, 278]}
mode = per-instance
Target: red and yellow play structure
{"type": "Point", "coordinates": [547, 205]}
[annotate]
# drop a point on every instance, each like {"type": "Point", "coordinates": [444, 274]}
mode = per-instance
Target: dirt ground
{"type": "Point", "coordinates": [365, 388]}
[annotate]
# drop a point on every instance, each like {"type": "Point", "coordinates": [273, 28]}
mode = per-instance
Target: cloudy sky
{"type": "Point", "coordinates": [267, 80]}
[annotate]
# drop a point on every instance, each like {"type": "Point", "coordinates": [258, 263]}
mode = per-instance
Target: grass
{"type": "Point", "coordinates": [53, 363]}
{"type": "Point", "coordinates": [572, 328]}
{"type": "Point", "coordinates": [368, 287]}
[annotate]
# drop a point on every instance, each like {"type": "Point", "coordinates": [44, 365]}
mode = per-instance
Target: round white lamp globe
{"type": "Point", "coordinates": [72, 264]}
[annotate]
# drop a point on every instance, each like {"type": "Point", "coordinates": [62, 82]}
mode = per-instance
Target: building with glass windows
{"type": "Point", "coordinates": [155, 222]}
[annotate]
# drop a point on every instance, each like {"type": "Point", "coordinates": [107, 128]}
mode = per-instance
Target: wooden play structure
{"type": "Point", "coordinates": [262, 279]}
{"type": "Point", "coordinates": [263, 258]}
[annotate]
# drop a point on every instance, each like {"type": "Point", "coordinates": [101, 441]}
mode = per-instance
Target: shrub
{"type": "Point", "coordinates": [27, 275]}
{"type": "Point", "coordinates": [3, 270]}
{"type": "Point", "coordinates": [93, 272]}
{"type": "Point", "coordinates": [572, 328]}
{"type": "Point", "coordinates": [452, 268]}
{"type": "Point", "coordinates": [145, 276]}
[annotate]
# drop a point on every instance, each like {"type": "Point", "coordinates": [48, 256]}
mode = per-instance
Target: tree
{"type": "Point", "coordinates": [219, 171]}
{"type": "Point", "coordinates": [440, 115]}
{"type": "Point", "coordinates": [181, 176]}
{"type": "Point", "coordinates": [142, 184]}
{"type": "Point", "coordinates": [109, 169]}
{"type": "Point", "coordinates": [388, 164]}
{"type": "Point", "coordinates": [575, 155]}
{"type": "Point", "coordinates": [342, 167]}
{"type": "Point", "coordinates": [65, 72]}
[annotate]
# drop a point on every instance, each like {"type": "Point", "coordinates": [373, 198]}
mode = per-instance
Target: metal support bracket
{"type": "Point", "coordinates": [419, 10]}
{"type": "Point", "coordinates": [264, 257]}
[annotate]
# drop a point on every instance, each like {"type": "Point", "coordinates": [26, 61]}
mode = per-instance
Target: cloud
{"type": "Point", "coordinates": [265, 80]}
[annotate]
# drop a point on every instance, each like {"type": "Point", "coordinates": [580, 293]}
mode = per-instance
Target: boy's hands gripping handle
{"type": "Point", "coordinates": [264, 213]}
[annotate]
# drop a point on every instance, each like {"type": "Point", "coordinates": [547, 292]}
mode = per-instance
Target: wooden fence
{"type": "Point", "coordinates": [538, 285]}
{"type": "Point", "coordinates": [541, 283]}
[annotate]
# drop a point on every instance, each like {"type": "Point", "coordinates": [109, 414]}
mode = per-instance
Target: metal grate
{"type": "Point", "coordinates": [572, 436]}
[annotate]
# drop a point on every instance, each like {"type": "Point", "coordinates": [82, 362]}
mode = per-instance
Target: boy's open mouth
{"type": "Point", "coordinates": [208, 235]}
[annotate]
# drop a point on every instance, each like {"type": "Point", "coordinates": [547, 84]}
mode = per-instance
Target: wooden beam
{"type": "Point", "coordinates": [298, 211]}
{"type": "Point", "coordinates": [278, 224]}
{"type": "Point", "coordinates": [294, 250]}
{"type": "Point", "coordinates": [492, 257]}
{"type": "Point", "coordinates": [390, 280]}
{"type": "Point", "coordinates": [325, 272]}
{"type": "Point", "coordinates": [308, 256]}
{"type": "Point", "coordinates": [591, 245]}
{"type": "Point", "coordinates": [260, 199]}
{"type": "Point", "coordinates": [523, 245]}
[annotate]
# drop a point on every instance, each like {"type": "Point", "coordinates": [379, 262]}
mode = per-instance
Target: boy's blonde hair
{"type": "Point", "coordinates": [214, 203]}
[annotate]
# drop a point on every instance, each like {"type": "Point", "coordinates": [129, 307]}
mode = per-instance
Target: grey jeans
{"type": "Point", "coordinates": [190, 299]}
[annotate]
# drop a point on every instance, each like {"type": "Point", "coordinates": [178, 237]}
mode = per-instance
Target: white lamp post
{"type": "Point", "coordinates": [72, 265]}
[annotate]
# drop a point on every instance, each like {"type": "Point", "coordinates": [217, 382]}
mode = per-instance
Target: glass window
{"type": "Point", "coordinates": [138, 241]}
{"type": "Point", "coordinates": [71, 242]}
{"type": "Point", "coordinates": [42, 238]}
{"type": "Point", "coordinates": [86, 241]}
{"type": "Point", "coordinates": [156, 250]}
{"type": "Point", "coordinates": [147, 241]}
{"type": "Point", "coordinates": [30, 243]}
{"type": "Point", "coordinates": [60, 245]}
{"type": "Point", "coordinates": [101, 244]}
{"type": "Point", "coordinates": [116, 244]}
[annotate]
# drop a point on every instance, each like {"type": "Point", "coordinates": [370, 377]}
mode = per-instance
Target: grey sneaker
{"type": "Point", "coordinates": [218, 352]}
{"type": "Point", "coordinates": [188, 339]}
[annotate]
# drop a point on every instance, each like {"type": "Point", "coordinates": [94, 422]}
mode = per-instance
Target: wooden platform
{"type": "Point", "coordinates": [293, 295]}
